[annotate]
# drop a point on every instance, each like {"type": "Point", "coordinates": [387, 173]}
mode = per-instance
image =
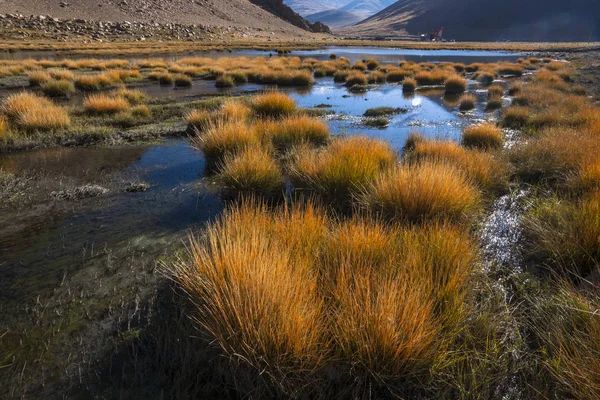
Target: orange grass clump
{"type": "Point", "coordinates": [33, 113]}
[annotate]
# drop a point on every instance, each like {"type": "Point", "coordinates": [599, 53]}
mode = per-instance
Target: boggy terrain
{"type": "Point", "coordinates": [320, 264]}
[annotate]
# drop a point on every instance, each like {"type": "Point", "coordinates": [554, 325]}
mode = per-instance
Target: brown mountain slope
{"type": "Point", "coordinates": [483, 20]}
{"type": "Point", "coordinates": [239, 13]}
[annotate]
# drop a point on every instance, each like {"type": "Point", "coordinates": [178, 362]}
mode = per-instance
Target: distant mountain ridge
{"type": "Point", "coordinates": [338, 13]}
{"type": "Point", "coordinates": [477, 20]}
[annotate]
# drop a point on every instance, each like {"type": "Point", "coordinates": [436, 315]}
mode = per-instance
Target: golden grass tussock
{"type": "Point", "coordinates": [252, 170]}
{"type": "Point", "coordinates": [62, 74]}
{"type": "Point", "coordinates": [199, 120]}
{"type": "Point", "coordinates": [420, 192]}
{"type": "Point", "coordinates": [235, 110]}
{"type": "Point", "coordinates": [515, 117]}
{"type": "Point", "coordinates": [484, 136]}
{"type": "Point", "coordinates": [32, 113]}
{"type": "Point", "coordinates": [398, 75]}
{"type": "Point", "coordinates": [141, 111]}
{"type": "Point", "coordinates": [342, 168]}
{"type": "Point", "coordinates": [356, 78]}
{"type": "Point", "coordinates": [495, 91]}
{"type": "Point", "coordinates": [486, 169]}
{"type": "Point", "coordinates": [409, 85]}
{"type": "Point", "coordinates": [486, 77]}
{"type": "Point", "coordinates": [58, 88]}
{"type": "Point", "coordinates": [435, 77]}
{"type": "Point", "coordinates": [297, 130]}
{"type": "Point", "coordinates": [467, 102]}
{"type": "Point", "coordinates": [254, 298]}
{"type": "Point", "coordinates": [515, 89]}
{"type": "Point", "coordinates": [38, 78]}
{"type": "Point", "coordinates": [273, 105]}
{"type": "Point", "coordinates": [99, 104]}
{"type": "Point", "coordinates": [262, 278]}
{"type": "Point", "coordinates": [5, 132]}
{"type": "Point", "coordinates": [93, 82]}
{"type": "Point", "coordinates": [224, 137]}
{"type": "Point", "coordinates": [133, 96]}
{"type": "Point", "coordinates": [455, 84]}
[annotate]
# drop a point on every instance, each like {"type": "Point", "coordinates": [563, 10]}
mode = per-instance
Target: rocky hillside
{"type": "Point", "coordinates": [532, 20]}
{"type": "Point", "coordinates": [255, 14]}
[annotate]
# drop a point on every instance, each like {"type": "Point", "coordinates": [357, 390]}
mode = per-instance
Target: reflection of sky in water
{"type": "Point", "coordinates": [175, 202]}
{"type": "Point", "coordinates": [428, 113]}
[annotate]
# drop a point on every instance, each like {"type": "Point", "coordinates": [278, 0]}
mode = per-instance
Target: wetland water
{"type": "Point", "coordinates": [382, 54]}
{"type": "Point", "coordinates": [146, 198]}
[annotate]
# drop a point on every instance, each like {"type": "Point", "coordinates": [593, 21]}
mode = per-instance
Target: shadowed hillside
{"type": "Point", "coordinates": [536, 20]}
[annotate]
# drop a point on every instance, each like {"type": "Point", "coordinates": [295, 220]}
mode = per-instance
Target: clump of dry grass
{"type": "Point", "coordinates": [515, 89]}
{"type": "Point", "coordinates": [356, 78]}
{"type": "Point", "coordinates": [251, 170]}
{"type": "Point", "coordinates": [5, 134]}
{"type": "Point", "coordinates": [435, 77]}
{"type": "Point", "coordinates": [467, 102]}
{"type": "Point", "coordinates": [345, 166]}
{"type": "Point", "coordinates": [398, 75]}
{"type": "Point", "coordinates": [61, 88]}
{"type": "Point", "coordinates": [495, 91]}
{"type": "Point", "coordinates": [92, 82]}
{"type": "Point", "coordinates": [273, 105]}
{"type": "Point", "coordinates": [486, 77]}
{"type": "Point", "coordinates": [340, 76]}
{"type": "Point", "coordinates": [62, 74]}
{"type": "Point", "coordinates": [33, 113]}
{"type": "Point", "coordinates": [484, 136]}
{"type": "Point", "coordinates": [409, 85]}
{"type": "Point", "coordinates": [286, 293]}
{"type": "Point", "coordinates": [198, 120]}
{"type": "Point", "coordinates": [256, 298]}
{"type": "Point", "coordinates": [419, 192]}
{"type": "Point", "coordinates": [298, 130]}
{"type": "Point", "coordinates": [484, 168]}
{"type": "Point", "coordinates": [104, 104]}
{"type": "Point", "coordinates": [141, 111]}
{"type": "Point", "coordinates": [182, 80]}
{"type": "Point", "coordinates": [455, 85]}
{"type": "Point", "coordinates": [224, 137]}
{"type": "Point", "coordinates": [515, 117]}
{"type": "Point", "coordinates": [133, 96]}
{"type": "Point", "coordinates": [38, 78]}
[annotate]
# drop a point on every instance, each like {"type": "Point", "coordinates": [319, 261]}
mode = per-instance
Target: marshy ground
{"type": "Point", "coordinates": [316, 226]}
